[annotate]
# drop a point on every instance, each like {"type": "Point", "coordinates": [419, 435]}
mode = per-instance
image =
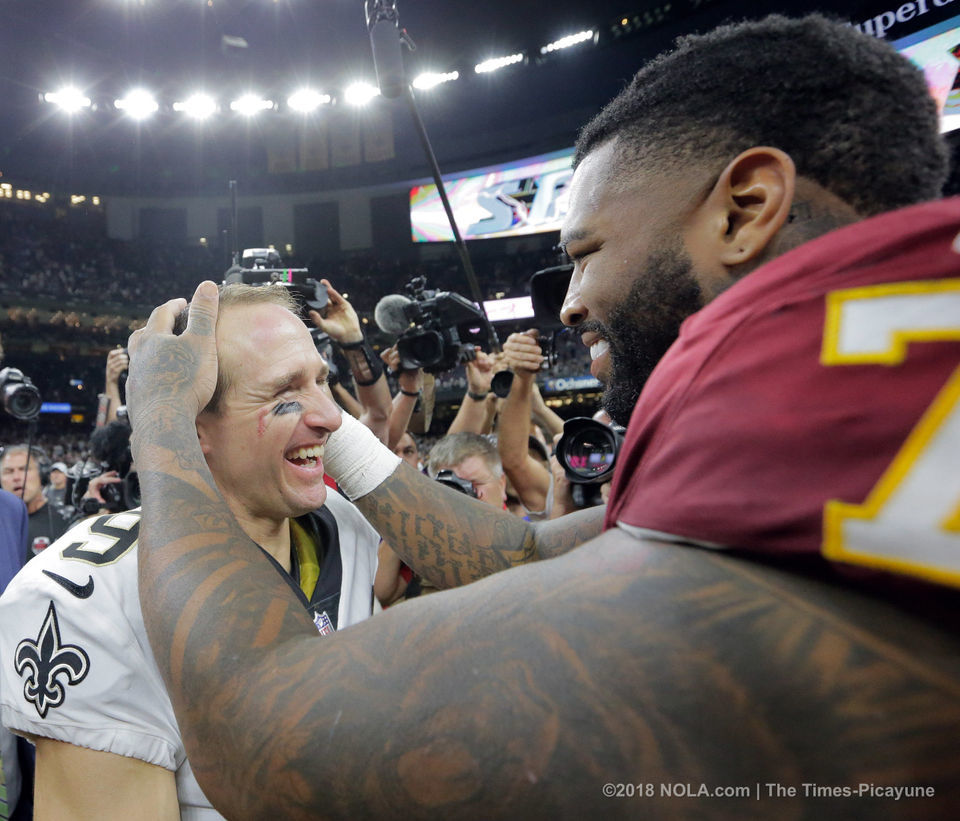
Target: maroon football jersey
{"type": "Point", "coordinates": [814, 407]}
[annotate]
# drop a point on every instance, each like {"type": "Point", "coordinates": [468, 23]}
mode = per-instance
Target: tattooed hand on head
{"type": "Point", "coordinates": [171, 375]}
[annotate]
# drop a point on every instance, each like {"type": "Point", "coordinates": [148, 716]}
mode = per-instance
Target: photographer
{"type": "Point", "coordinates": [340, 322]}
{"type": "Point", "coordinates": [413, 387]}
{"type": "Point", "coordinates": [530, 478]}
{"type": "Point", "coordinates": [111, 399]}
{"type": "Point", "coordinates": [479, 405]}
{"type": "Point", "coordinates": [108, 483]}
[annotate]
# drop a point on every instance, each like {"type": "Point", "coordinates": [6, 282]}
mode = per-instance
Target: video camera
{"type": "Point", "coordinates": [450, 479]}
{"type": "Point", "coordinates": [430, 326]}
{"type": "Point", "coordinates": [21, 399]}
{"type": "Point", "coordinates": [261, 266]}
{"type": "Point", "coordinates": [110, 446]}
{"type": "Point", "coordinates": [588, 449]}
{"type": "Point", "coordinates": [547, 289]}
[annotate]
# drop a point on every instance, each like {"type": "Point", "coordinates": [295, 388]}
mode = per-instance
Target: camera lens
{"type": "Point", "coordinates": [23, 402]}
{"type": "Point", "coordinates": [587, 450]}
{"type": "Point", "coordinates": [590, 453]}
{"type": "Point", "coordinates": [21, 399]}
{"type": "Point", "coordinates": [423, 349]}
{"type": "Point", "coordinates": [501, 383]}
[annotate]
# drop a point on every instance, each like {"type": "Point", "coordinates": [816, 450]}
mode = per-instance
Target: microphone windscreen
{"type": "Point", "coordinates": [385, 43]}
{"type": "Point", "coordinates": [389, 314]}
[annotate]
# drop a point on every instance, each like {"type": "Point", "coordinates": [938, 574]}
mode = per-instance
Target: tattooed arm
{"type": "Point", "coordinates": [452, 540]}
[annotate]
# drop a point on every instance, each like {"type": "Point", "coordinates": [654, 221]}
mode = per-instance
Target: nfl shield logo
{"type": "Point", "coordinates": [324, 625]}
{"type": "Point", "coordinates": [40, 544]}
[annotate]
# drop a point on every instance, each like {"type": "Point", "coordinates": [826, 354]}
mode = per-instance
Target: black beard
{"type": "Point", "coordinates": [642, 327]}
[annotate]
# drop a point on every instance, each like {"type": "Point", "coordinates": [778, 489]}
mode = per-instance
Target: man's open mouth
{"type": "Point", "coordinates": [599, 348]}
{"type": "Point", "coordinates": [305, 457]}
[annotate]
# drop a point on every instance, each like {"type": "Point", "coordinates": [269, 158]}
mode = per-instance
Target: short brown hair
{"type": "Point", "coordinates": [234, 295]}
{"type": "Point", "coordinates": [455, 447]}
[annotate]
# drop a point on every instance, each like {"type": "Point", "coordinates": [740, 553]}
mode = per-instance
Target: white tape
{"type": "Point", "coordinates": [356, 459]}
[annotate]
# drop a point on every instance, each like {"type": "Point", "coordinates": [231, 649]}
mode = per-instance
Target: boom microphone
{"type": "Point", "coordinates": [390, 315]}
{"type": "Point", "coordinates": [383, 24]}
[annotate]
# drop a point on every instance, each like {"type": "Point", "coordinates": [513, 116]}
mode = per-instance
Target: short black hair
{"type": "Point", "coordinates": [854, 115]}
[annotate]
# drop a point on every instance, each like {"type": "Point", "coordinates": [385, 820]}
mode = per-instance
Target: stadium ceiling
{"type": "Point", "coordinates": [225, 49]}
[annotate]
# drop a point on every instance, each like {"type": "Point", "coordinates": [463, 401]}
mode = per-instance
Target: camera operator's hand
{"type": "Point", "coordinates": [408, 379]}
{"type": "Point", "coordinates": [562, 487]}
{"type": "Point", "coordinates": [172, 375]}
{"type": "Point", "coordinates": [341, 322]}
{"type": "Point", "coordinates": [117, 363]}
{"type": "Point", "coordinates": [522, 351]}
{"type": "Point", "coordinates": [480, 372]}
{"type": "Point", "coordinates": [391, 358]}
{"type": "Point", "coordinates": [110, 477]}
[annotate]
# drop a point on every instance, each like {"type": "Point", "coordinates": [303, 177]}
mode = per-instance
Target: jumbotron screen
{"type": "Point", "coordinates": [937, 51]}
{"type": "Point", "coordinates": [523, 197]}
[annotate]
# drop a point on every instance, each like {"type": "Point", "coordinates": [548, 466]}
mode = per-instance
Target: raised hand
{"type": "Point", "coordinates": [522, 351]}
{"type": "Point", "coordinates": [117, 363]}
{"type": "Point", "coordinates": [341, 321]}
{"type": "Point", "coordinates": [479, 373]}
{"type": "Point", "coordinates": [172, 375]}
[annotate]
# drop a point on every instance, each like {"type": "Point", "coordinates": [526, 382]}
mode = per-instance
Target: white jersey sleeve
{"type": "Point", "coordinates": [75, 664]}
{"type": "Point", "coordinates": [358, 556]}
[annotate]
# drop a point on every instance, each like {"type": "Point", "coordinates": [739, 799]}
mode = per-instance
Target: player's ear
{"type": "Point", "coordinates": [748, 205]}
{"type": "Point", "coordinates": [203, 434]}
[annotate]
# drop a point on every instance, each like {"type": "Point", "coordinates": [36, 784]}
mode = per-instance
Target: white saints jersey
{"type": "Point", "coordinates": [75, 663]}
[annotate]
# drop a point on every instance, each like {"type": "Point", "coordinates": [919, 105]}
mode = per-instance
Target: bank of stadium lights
{"type": "Point", "coordinates": [496, 63]}
{"type": "Point", "coordinates": [430, 79]}
{"type": "Point", "coordinates": [360, 93]}
{"type": "Point", "coordinates": [68, 99]}
{"type": "Point", "coordinates": [250, 105]}
{"type": "Point", "coordinates": [197, 106]}
{"type": "Point", "coordinates": [8, 192]}
{"type": "Point", "coordinates": [138, 104]}
{"type": "Point", "coordinates": [306, 100]}
{"type": "Point", "coordinates": [568, 41]}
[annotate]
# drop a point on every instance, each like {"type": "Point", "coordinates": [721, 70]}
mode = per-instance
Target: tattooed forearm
{"type": "Point", "coordinates": [452, 540]}
{"type": "Point", "coordinates": [446, 537]}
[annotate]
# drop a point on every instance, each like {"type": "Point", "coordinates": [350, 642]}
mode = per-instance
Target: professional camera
{"type": "Point", "coordinates": [547, 289]}
{"type": "Point", "coordinates": [325, 348]}
{"type": "Point", "coordinates": [588, 449]}
{"type": "Point", "coordinates": [21, 399]}
{"type": "Point", "coordinates": [110, 446]}
{"type": "Point", "coordinates": [262, 266]}
{"type": "Point", "coordinates": [450, 479]}
{"type": "Point", "coordinates": [431, 326]}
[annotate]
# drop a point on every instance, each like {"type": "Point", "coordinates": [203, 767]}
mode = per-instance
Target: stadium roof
{"type": "Point", "coordinates": [172, 48]}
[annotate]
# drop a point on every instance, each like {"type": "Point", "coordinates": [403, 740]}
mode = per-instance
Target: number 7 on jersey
{"type": "Point", "coordinates": [910, 521]}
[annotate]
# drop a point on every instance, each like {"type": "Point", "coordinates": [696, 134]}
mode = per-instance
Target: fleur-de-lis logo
{"type": "Point", "coordinates": [44, 661]}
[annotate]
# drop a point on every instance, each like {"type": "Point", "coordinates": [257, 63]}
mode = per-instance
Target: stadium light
{"type": "Point", "coordinates": [197, 106]}
{"type": "Point", "coordinates": [250, 104]}
{"type": "Point", "coordinates": [496, 63]}
{"type": "Point", "coordinates": [138, 104]}
{"type": "Point", "coordinates": [566, 42]}
{"type": "Point", "coordinates": [429, 79]}
{"type": "Point", "coordinates": [360, 93]}
{"type": "Point", "coordinates": [69, 99]}
{"type": "Point", "coordinates": [306, 100]}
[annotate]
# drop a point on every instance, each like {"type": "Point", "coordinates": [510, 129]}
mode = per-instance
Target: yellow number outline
{"type": "Point", "coordinates": [945, 403]}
